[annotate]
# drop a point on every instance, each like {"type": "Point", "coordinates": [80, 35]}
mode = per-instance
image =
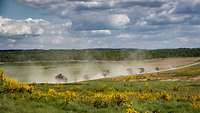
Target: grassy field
{"type": "Point", "coordinates": [175, 91]}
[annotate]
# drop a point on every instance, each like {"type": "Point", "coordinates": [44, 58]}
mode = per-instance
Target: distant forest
{"type": "Point", "coordinates": [94, 54]}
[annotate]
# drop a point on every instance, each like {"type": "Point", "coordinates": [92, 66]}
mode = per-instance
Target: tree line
{"type": "Point", "coordinates": [94, 54]}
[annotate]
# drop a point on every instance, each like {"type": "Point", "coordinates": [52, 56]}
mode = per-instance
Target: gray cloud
{"type": "Point", "coordinates": [105, 5]}
{"type": "Point", "coordinates": [90, 14]}
{"type": "Point", "coordinates": [113, 23]}
{"type": "Point", "coordinates": [187, 7]}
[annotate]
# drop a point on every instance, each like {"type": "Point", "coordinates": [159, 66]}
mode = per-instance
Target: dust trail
{"type": "Point", "coordinates": [165, 70]}
{"type": "Point", "coordinates": [90, 70]}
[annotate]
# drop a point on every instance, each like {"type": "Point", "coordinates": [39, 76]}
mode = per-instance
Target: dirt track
{"type": "Point", "coordinates": [181, 67]}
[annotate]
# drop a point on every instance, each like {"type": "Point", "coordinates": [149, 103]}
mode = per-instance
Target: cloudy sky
{"type": "Point", "coordinates": [74, 24]}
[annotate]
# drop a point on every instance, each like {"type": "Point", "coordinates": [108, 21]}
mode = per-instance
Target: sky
{"type": "Point", "coordinates": [80, 24]}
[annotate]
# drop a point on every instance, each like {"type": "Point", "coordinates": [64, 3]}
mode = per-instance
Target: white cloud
{"type": "Point", "coordinates": [30, 27]}
{"type": "Point", "coordinates": [57, 40]}
{"type": "Point", "coordinates": [106, 32]}
{"type": "Point", "coordinates": [73, 10]}
{"type": "Point", "coordinates": [119, 20]}
{"type": "Point", "coordinates": [183, 39]}
{"type": "Point", "coordinates": [162, 10]}
{"type": "Point", "coordinates": [93, 33]}
{"type": "Point", "coordinates": [10, 27]}
{"type": "Point", "coordinates": [11, 40]}
{"type": "Point", "coordinates": [90, 4]}
{"type": "Point", "coordinates": [126, 36]}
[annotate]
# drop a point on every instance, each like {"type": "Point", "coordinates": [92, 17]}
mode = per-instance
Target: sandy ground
{"type": "Point", "coordinates": [161, 76]}
{"type": "Point", "coordinates": [171, 62]}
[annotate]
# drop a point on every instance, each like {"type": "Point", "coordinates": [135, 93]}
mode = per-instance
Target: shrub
{"type": "Point", "coordinates": [119, 99]}
{"type": "Point", "coordinates": [104, 100]}
{"type": "Point", "coordinates": [1, 76]}
{"type": "Point", "coordinates": [196, 105]}
{"type": "Point", "coordinates": [147, 96]}
{"type": "Point", "coordinates": [69, 96]}
{"type": "Point", "coordinates": [101, 101]}
{"type": "Point", "coordinates": [52, 93]}
{"type": "Point", "coordinates": [196, 97]}
{"type": "Point", "coordinates": [165, 96]}
{"type": "Point", "coordinates": [131, 110]}
{"type": "Point", "coordinates": [38, 95]}
{"type": "Point", "coordinates": [10, 85]}
{"type": "Point", "coordinates": [15, 86]}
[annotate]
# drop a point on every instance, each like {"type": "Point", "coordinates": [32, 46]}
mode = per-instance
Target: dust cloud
{"type": "Point", "coordinates": [75, 71]}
